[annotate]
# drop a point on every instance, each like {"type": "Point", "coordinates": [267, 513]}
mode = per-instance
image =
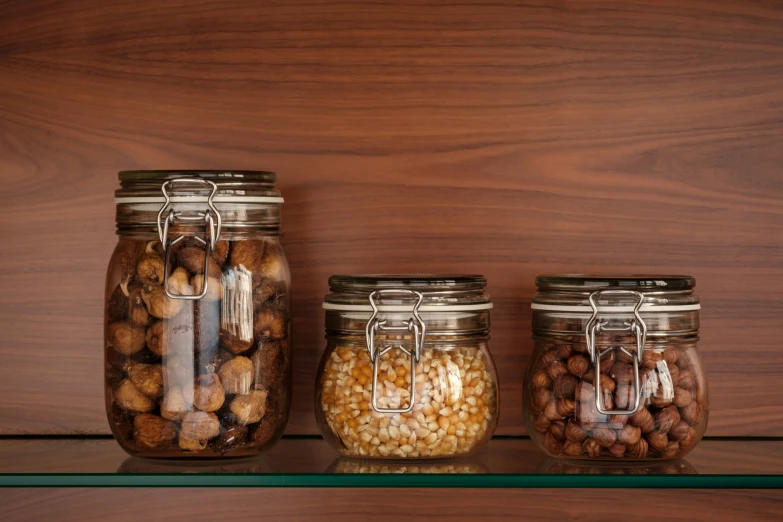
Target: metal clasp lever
{"type": "Point", "coordinates": [415, 324]}
{"type": "Point", "coordinates": [212, 222]}
{"type": "Point", "coordinates": [636, 325]}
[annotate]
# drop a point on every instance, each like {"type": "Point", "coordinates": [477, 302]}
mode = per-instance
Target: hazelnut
{"type": "Point", "coordinates": [234, 344]}
{"type": "Point", "coordinates": [565, 386]}
{"type": "Point", "coordinates": [685, 379]}
{"type": "Point", "coordinates": [270, 324]}
{"type": "Point", "coordinates": [230, 438]}
{"type": "Point", "coordinates": [191, 444]}
{"type": "Point", "coordinates": [607, 362]}
{"type": "Point", "coordinates": [552, 445]}
{"type": "Point", "coordinates": [682, 397]}
{"type": "Point", "coordinates": [557, 429]}
{"type": "Point", "coordinates": [670, 355]}
{"type": "Point", "coordinates": [689, 440]}
{"type": "Point", "coordinates": [589, 375]}
{"type": "Point", "coordinates": [147, 378]}
{"type": "Point", "coordinates": [585, 392]}
{"type": "Point", "coordinates": [643, 419]}
{"type": "Point", "coordinates": [657, 440]}
{"type": "Point", "coordinates": [579, 346]}
{"type": "Point", "coordinates": [160, 305]}
{"type": "Point", "coordinates": [578, 365]}
{"type": "Point", "coordinates": [124, 338]}
{"type": "Point", "coordinates": [541, 424]}
{"type": "Point", "coordinates": [651, 357]}
{"type": "Point", "coordinates": [623, 357]}
{"type": "Point", "coordinates": [629, 435]}
{"type": "Point", "coordinates": [267, 363]}
{"type": "Point", "coordinates": [607, 384]}
{"type": "Point", "coordinates": [541, 398]}
{"type": "Point", "coordinates": [671, 450]}
{"type": "Point", "coordinates": [592, 448]}
{"type": "Point", "coordinates": [200, 425]}
{"type": "Point", "coordinates": [150, 269]}
{"type": "Point", "coordinates": [638, 450]}
{"type": "Point", "coordinates": [249, 408]}
{"type": "Point", "coordinates": [541, 379]}
{"type": "Point", "coordinates": [679, 432]}
{"type": "Point", "coordinates": [623, 396]}
{"type": "Point", "coordinates": [691, 413]}
{"type": "Point", "coordinates": [249, 255]}
{"type": "Point", "coordinates": [549, 358]}
{"type": "Point", "coordinates": [551, 412]}
{"type": "Point", "coordinates": [617, 421]}
{"type": "Point", "coordinates": [606, 437]}
{"type": "Point", "coordinates": [574, 432]}
{"type": "Point", "coordinates": [564, 351]}
{"type": "Point", "coordinates": [214, 288]}
{"type": "Point", "coordinates": [236, 375]}
{"type": "Point", "coordinates": [617, 450]}
{"type": "Point", "coordinates": [129, 398]}
{"type": "Point", "coordinates": [566, 407]}
{"type": "Point", "coordinates": [572, 449]}
{"type": "Point", "coordinates": [174, 405]}
{"type": "Point", "coordinates": [220, 252]}
{"type": "Point", "coordinates": [622, 373]}
{"type": "Point", "coordinates": [208, 394]}
{"type": "Point", "coordinates": [557, 369]}
{"type": "Point", "coordinates": [667, 418]}
{"type": "Point", "coordinates": [192, 259]}
{"type": "Point", "coordinates": [663, 396]}
{"type": "Point", "coordinates": [152, 431]}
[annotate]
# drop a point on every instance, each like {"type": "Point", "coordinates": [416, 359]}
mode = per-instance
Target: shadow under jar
{"type": "Point", "coordinates": [197, 366]}
{"type": "Point", "coordinates": [406, 373]}
{"type": "Point", "coordinates": [615, 374]}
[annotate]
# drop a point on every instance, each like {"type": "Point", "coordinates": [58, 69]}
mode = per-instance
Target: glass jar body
{"type": "Point", "coordinates": [454, 399]}
{"type": "Point", "coordinates": [561, 413]}
{"type": "Point", "coordinates": [209, 377]}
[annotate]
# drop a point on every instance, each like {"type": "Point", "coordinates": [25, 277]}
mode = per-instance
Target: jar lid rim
{"type": "Point", "coordinates": [160, 175]}
{"type": "Point", "coordinates": [353, 281]}
{"type": "Point", "coordinates": [639, 282]}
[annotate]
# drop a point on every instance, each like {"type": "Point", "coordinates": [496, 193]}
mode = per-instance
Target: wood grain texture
{"type": "Point", "coordinates": [496, 137]}
{"type": "Point", "coordinates": [193, 505]}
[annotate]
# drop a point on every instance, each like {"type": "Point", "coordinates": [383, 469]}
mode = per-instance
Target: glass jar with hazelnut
{"type": "Point", "coordinates": [407, 373]}
{"type": "Point", "coordinates": [615, 373]}
{"type": "Point", "coordinates": [197, 330]}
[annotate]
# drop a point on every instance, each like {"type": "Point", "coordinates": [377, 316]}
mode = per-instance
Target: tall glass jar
{"type": "Point", "coordinates": [407, 373]}
{"type": "Point", "coordinates": [197, 366]}
{"type": "Point", "coordinates": [615, 373]}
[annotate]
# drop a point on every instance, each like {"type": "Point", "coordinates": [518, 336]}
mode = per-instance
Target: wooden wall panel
{"type": "Point", "coordinates": [504, 138]}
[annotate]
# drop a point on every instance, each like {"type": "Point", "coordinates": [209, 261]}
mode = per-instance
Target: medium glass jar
{"type": "Point", "coordinates": [407, 373]}
{"type": "Point", "coordinates": [615, 373]}
{"type": "Point", "coordinates": [195, 366]}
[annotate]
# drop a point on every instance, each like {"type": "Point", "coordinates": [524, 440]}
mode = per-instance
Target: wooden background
{"type": "Point", "coordinates": [500, 137]}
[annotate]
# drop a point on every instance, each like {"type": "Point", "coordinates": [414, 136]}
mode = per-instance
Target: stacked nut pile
{"type": "Point", "coordinates": [454, 402]}
{"type": "Point", "coordinates": [670, 421]}
{"type": "Point", "coordinates": [207, 376]}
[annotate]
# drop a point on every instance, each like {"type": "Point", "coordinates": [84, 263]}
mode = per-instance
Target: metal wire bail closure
{"type": "Point", "coordinates": [212, 222]}
{"type": "Point", "coordinates": [595, 326]}
{"type": "Point", "coordinates": [415, 324]}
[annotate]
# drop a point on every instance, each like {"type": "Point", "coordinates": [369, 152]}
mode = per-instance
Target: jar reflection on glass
{"type": "Point", "coordinates": [591, 393]}
{"type": "Point", "coordinates": [429, 393]}
{"type": "Point", "coordinates": [197, 331]}
{"type": "Point", "coordinates": [553, 466]}
{"type": "Point", "coordinates": [371, 467]}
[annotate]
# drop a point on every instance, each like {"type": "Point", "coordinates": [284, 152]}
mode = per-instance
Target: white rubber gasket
{"type": "Point", "coordinates": [407, 308]}
{"type": "Point", "coordinates": [199, 199]}
{"type": "Point", "coordinates": [648, 308]}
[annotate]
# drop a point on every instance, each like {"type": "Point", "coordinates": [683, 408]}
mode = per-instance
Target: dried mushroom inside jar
{"type": "Point", "coordinates": [640, 392]}
{"type": "Point", "coordinates": [189, 319]}
{"type": "Point", "coordinates": [398, 393]}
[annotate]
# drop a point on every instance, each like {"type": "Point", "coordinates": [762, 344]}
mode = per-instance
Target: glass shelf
{"type": "Point", "coordinates": [310, 462]}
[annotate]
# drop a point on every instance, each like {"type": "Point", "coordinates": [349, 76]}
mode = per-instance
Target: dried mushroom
{"type": "Point", "coordinates": [174, 405]}
{"type": "Point", "coordinates": [191, 444]}
{"type": "Point", "coordinates": [236, 375]}
{"type": "Point", "coordinates": [208, 394]}
{"type": "Point", "coordinates": [150, 269]}
{"type": "Point", "coordinates": [137, 310]}
{"type": "Point", "coordinates": [159, 304]}
{"type": "Point", "coordinates": [230, 438]}
{"type": "Point", "coordinates": [117, 305]}
{"type": "Point", "coordinates": [192, 258]}
{"type": "Point", "coordinates": [129, 398]}
{"type": "Point", "coordinates": [200, 425]}
{"type": "Point", "coordinates": [271, 324]}
{"type": "Point", "coordinates": [249, 408]}
{"type": "Point", "coordinates": [220, 253]}
{"type": "Point", "coordinates": [264, 292]}
{"type": "Point", "coordinates": [148, 379]}
{"type": "Point", "coordinates": [125, 338]}
{"type": "Point", "coordinates": [273, 263]}
{"type": "Point", "coordinates": [157, 338]}
{"type": "Point", "coordinates": [266, 363]}
{"type": "Point", "coordinates": [214, 288]}
{"type": "Point", "coordinates": [233, 343]}
{"type": "Point", "coordinates": [153, 431]}
{"type": "Point", "coordinates": [249, 255]}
